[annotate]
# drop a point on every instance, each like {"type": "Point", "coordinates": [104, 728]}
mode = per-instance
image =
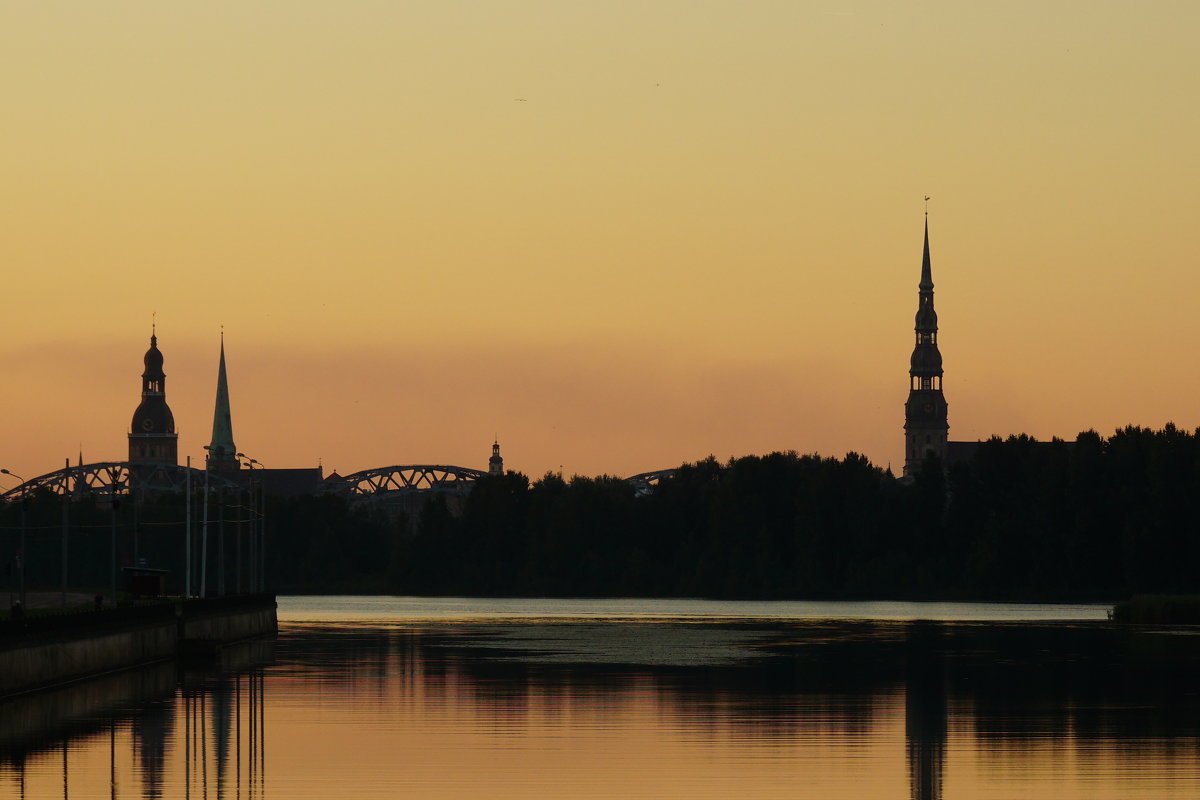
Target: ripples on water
{"type": "Point", "coordinates": [387, 697]}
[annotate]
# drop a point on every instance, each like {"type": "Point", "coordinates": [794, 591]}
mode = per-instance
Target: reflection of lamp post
{"type": "Point", "coordinates": [21, 546]}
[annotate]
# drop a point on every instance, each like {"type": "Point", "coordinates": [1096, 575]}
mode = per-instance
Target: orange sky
{"type": "Point", "coordinates": [620, 235]}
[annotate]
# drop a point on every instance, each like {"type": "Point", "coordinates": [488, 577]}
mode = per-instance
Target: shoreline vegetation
{"type": "Point", "coordinates": [1158, 609]}
{"type": "Point", "coordinates": [1021, 521]}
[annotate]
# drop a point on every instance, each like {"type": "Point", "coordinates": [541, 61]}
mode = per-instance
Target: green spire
{"type": "Point", "coordinates": [222, 447]}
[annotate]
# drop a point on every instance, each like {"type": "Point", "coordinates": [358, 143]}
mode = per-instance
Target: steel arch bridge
{"type": "Point", "coordinates": [382, 483]}
{"type": "Point", "coordinates": [109, 478]}
{"type": "Point", "coordinates": [385, 483]}
{"type": "Point", "coordinates": [646, 482]}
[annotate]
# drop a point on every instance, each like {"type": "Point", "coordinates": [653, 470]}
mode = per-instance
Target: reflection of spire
{"type": "Point", "coordinates": [925, 712]}
{"type": "Point", "coordinates": [150, 737]}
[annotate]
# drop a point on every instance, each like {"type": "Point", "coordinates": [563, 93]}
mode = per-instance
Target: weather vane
{"type": "Point", "coordinates": [153, 323]}
{"type": "Point", "coordinates": [927, 205]}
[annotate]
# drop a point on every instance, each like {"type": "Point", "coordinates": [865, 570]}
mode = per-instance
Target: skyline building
{"type": "Point", "coordinates": [496, 463]}
{"type": "Point", "coordinates": [926, 424]}
{"type": "Point", "coordinates": [152, 436]}
{"type": "Point", "coordinates": [222, 452]}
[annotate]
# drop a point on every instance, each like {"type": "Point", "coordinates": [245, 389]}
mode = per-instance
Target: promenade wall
{"type": "Point", "coordinates": [42, 652]}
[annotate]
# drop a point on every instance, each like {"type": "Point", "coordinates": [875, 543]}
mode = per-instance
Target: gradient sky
{"type": "Point", "coordinates": [619, 235]}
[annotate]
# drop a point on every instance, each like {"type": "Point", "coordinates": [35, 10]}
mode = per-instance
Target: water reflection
{"type": "Point", "coordinates": [925, 711]}
{"type": "Point", "coordinates": [121, 732]}
{"type": "Point", "coordinates": [663, 709]}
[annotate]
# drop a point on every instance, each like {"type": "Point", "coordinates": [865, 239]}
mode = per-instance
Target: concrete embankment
{"type": "Point", "coordinates": [42, 652]}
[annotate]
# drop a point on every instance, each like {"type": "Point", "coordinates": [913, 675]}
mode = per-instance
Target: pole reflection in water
{"type": "Point", "coordinates": [666, 709]}
{"type": "Point", "coordinates": [134, 734]}
{"type": "Point", "coordinates": [215, 723]}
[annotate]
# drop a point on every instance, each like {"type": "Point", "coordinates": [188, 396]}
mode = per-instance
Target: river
{"type": "Point", "coordinates": [372, 697]}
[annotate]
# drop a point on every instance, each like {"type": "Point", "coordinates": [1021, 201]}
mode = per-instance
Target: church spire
{"type": "Point", "coordinates": [925, 414]}
{"type": "Point", "coordinates": [926, 269]}
{"type": "Point", "coordinates": [222, 451]}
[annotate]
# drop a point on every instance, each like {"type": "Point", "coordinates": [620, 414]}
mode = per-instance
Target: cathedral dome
{"type": "Point", "coordinates": [153, 417]}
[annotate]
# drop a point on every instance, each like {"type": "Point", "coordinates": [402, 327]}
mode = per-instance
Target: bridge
{"type": "Point", "coordinates": [115, 478]}
{"type": "Point", "coordinates": [381, 484]}
{"type": "Point", "coordinates": [646, 482]}
{"type": "Point", "coordinates": [384, 482]}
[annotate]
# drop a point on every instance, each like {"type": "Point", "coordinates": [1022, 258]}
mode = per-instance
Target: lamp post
{"type": "Point", "coordinates": [204, 528]}
{"type": "Point", "coordinates": [21, 546]}
{"type": "Point", "coordinates": [65, 527]}
{"type": "Point", "coordinates": [112, 562]}
{"type": "Point", "coordinates": [257, 538]}
{"type": "Point", "coordinates": [246, 516]}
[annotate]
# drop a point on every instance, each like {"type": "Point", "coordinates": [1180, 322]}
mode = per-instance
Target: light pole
{"type": "Point", "coordinates": [204, 531]}
{"type": "Point", "coordinates": [258, 569]}
{"type": "Point", "coordinates": [246, 515]}
{"type": "Point", "coordinates": [65, 527]}
{"type": "Point", "coordinates": [113, 547]}
{"type": "Point", "coordinates": [21, 546]}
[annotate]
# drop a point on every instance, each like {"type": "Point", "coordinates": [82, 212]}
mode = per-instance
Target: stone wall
{"type": "Point", "coordinates": [38, 655]}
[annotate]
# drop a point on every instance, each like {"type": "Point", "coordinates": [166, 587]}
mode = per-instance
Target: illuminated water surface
{"type": "Point", "coordinates": [455, 698]}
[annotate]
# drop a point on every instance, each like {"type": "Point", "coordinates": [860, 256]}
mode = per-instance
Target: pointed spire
{"type": "Point", "coordinates": [222, 447]}
{"type": "Point", "coordinates": [926, 269]}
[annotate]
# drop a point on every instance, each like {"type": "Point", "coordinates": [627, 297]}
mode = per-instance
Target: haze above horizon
{"type": "Point", "coordinates": [618, 235]}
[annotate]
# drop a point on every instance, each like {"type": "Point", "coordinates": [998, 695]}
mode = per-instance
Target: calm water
{"type": "Point", "coordinates": [394, 697]}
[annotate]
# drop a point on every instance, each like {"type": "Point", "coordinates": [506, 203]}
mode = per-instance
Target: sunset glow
{"type": "Point", "coordinates": [616, 236]}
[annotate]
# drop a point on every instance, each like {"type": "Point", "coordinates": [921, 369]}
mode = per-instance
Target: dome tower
{"type": "Point", "coordinates": [152, 436]}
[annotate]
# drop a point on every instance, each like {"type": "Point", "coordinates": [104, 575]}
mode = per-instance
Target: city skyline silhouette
{"type": "Point", "coordinates": [698, 235]}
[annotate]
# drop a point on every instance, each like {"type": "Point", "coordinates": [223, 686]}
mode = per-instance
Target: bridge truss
{"type": "Point", "coordinates": [644, 483]}
{"type": "Point", "coordinates": [109, 478]}
{"type": "Point", "coordinates": [382, 483]}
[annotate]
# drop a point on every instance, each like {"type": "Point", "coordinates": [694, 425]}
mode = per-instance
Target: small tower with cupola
{"type": "Point", "coordinates": [496, 463]}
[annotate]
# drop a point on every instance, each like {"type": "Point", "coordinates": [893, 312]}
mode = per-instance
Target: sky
{"type": "Point", "coordinates": [618, 236]}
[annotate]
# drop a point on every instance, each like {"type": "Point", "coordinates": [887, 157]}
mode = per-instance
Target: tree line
{"type": "Point", "coordinates": [1091, 519]}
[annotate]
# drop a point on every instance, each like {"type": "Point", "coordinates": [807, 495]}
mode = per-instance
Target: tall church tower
{"type": "Point", "coordinates": [925, 427]}
{"type": "Point", "coordinates": [152, 437]}
{"type": "Point", "coordinates": [222, 452]}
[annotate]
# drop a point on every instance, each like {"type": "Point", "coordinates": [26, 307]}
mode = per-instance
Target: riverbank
{"type": "Point", "coordinates": [37, 652]}
{"type": "Point", "coordinates": [1159, 609]}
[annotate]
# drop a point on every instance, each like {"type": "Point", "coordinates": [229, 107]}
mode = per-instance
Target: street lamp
{"type": "Point", "coordinates": [21, 547]}
{"type": "Point", "coordinates": [257, 562]}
